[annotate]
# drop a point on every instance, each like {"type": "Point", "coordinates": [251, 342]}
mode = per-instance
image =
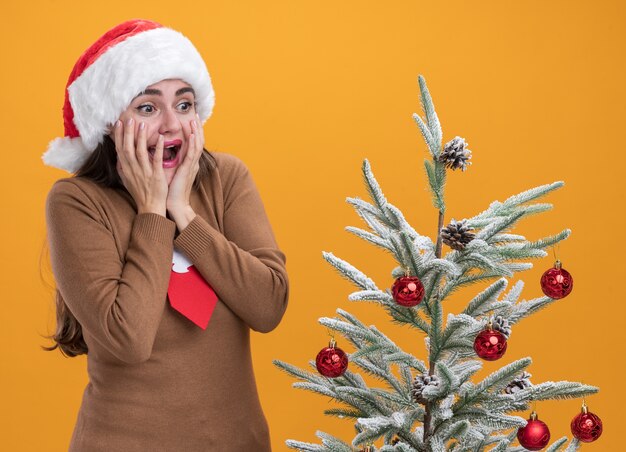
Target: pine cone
{"type": "Point", "coordinates": [456, 235]}
{"type": "Point", "coordinates": [502, 325]}
{"type": "Point", "coordinates": [522, 382]}
{"type": "Point", "coordinates": [455, 155]}
{"type": "Point", "coordinates": [419, 383]}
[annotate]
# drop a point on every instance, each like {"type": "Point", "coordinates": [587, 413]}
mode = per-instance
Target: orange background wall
{"type": "Point", "coordinates": [306, 91]}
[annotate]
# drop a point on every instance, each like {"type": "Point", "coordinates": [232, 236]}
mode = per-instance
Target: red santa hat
{"type": "Point", "coordinates": [115, 69]}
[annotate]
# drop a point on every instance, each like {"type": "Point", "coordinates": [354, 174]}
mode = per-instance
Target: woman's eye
{"type": "Point", "coordinates": [185, 106]}
{"type": "Point", "coordinates": [146, 108]}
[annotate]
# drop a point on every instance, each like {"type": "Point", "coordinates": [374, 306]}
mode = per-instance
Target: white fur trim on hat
{"type": "Point", "coordinates": [66, 153]}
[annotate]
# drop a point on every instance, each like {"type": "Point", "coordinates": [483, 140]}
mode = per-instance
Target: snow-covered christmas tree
{"type": "Point", "coordinates": [432, 404]}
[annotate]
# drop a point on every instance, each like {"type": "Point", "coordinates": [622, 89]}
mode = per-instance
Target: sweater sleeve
{"type": "Point", "coordinates": [118, 299]}
{"type": "Point", "coordinates": [244, 265]}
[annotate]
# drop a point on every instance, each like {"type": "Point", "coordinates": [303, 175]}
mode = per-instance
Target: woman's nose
{"type": "Point", "coordinates": [169, 122]}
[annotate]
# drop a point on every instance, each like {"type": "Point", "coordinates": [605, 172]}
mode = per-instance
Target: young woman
{"type": "Point", "coordinates": [162, 252]}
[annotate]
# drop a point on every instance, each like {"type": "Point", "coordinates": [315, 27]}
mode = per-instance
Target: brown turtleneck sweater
{"type": "Point", "coordinates": [158, 382]}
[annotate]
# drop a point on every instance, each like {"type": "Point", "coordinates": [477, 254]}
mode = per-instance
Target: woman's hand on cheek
{"type": "Point", "coordinates": [144, 180]}
{"type": "Point", "coordinates": [182, 183]}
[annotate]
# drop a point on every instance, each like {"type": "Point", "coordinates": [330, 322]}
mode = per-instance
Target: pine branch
{"type": "Point", "coordinates": [447, 268]}
{"type": "Point", "coordinates": [431, 116]}
{"type": "Point", "coordinates": [373, 187]}
{"type": "Point", "coordinates": [436, 327]}
{"type": "Point", "coordinates": [370, 349]}
{"type": "Point", "coordinates": [369, 237]}
{"type": "Point", "coordinates": [398, 398]}
{"type": "Point", "coordinates": [531, 194]}
{"type": "Point", "coordinates": [371, 295]}
{"type": "Point", "coordinates": [428, 137]}
{"type": "Point", "coordinates": [347, 330]}
{"type": "Point", "coordinates": [449, 341]}
{"type": "Point", "coordinates": [436, 444]}
{"type": "Point", "coordinates": [345, 413]}
{"type": "Point", "coordinates": [420, 242]}
{"type": "Point", "coordinates": [507, 238]}
{"type": "Point", "coordinates": [376, 225]}
{"type": "Point", "coordinates": [299, 373]}
{"type": "Point", "coordinates": [550, 240]}
{"type": "Point", "coordinates": [307, 447]}
{"type": "Point", "coordinates": [373, 428]}
{"type": "Point", "coordinates": [499, 225]}
{"type": "Point", "coordinates": [505, 441]}
{"type": "Point", "coordinates": [364, 398]}
{"type": "Point", "coordinates": [515, 251]}
{"type": "Point", "coordinates": [349, 272]}
{"type": "Point", "coordinates": [514, 293]}
{"type": "Point", "coordinates": [406, 362]}
{"type": "Point", "coordinates": [454, 430]}
{"type": "Point", "coordinates": [399, 447]}
{"type": "Point", "coordinates": [436, 179]}
{"type": "Point", "coordinates": [317, 388]}
{"type": "Point", "coordinates": [556, 446]}
{"type": "Point", "coordinates": [508, 206]}
{"type": "Point", "coordinates": [467, 279]}
{"type": "Point", "coordinates": [516, 267]}
{"type": "Point", "coordinates": [482, 302]}
{"type": "Point", "coordinates": [414, 257]}
{"type": "Point", "coordinates": [525, 308]}
{"type": "Point", "coordinates": [406, 316]}
{"type": "Point", "coordinates": [363, 206]}
{"type": "Point", "coordinates": [573, 445]}
{"type": "Point", "coordinates": [555, 390]}
{"type": "Point", "coordinates": [329, 444]}
{"type": "Point", "coordinates": [495, 381]}
{"type": "Point", "coordinates": [499, 421]}
{"type": "Point", "coordinates": [465, 369]}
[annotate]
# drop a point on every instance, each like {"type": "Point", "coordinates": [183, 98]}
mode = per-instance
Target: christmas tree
{"type": "Point", "coordinates": [435, 405]}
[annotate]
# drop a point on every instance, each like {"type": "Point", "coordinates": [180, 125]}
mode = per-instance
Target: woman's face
{"type": "Point", "coordinates": [166, 108]}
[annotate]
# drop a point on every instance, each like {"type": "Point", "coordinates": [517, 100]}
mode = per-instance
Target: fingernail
{"type": "Point", "coordinates": [142, 125]}
{"type": "Point", "coordinates": [130, 122]}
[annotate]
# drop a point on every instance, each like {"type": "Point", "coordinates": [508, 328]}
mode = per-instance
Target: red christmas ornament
{"type": "Point", "coordinates": [556, 282]}
{"type": "Point", "coordinates": [331, 361]}
{"type": "Point", "coordinates": [586, 426]}
{"type": "Point", "coordinates": [408, 291]}
{"type": "Point", "coordinates": [535, 435]}
{"type": "Point", "coordinates": [490, 344]}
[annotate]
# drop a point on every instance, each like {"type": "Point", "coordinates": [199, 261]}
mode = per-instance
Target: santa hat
{"type": "Point", "coordinates": [111, 73]}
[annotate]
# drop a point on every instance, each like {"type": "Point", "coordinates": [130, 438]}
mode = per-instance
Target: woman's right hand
{"type": "Point", "coordinates": [144, 180]}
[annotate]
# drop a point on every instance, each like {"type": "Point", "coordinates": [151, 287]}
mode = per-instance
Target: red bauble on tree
{"type": "Point", "coordinates": [535, 435]}
{"type": "Point", "coordinates": [331, 361]}
{"type": "Point", "coordinates": [490, 344]}
{"type": "Point", "coordinates": [408, 291]}
{"type": "Point", "coordinates": [586, 426]}
{"type": "Point", "coordinates": [557, 282]}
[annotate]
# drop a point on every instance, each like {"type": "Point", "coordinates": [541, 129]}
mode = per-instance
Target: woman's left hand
{"type": "Point", "coordinates": [180, 188]}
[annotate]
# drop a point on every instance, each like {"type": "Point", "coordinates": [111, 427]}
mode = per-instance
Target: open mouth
{"type": "Point", "coordinates": [170, 150]}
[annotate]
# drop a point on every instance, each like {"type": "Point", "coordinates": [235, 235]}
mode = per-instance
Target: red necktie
{"type": "Point", "coordinates": [189, 293]}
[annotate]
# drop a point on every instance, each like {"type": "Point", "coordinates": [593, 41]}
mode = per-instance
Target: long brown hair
{"type": "Point", "coordinates": [100, 167]}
